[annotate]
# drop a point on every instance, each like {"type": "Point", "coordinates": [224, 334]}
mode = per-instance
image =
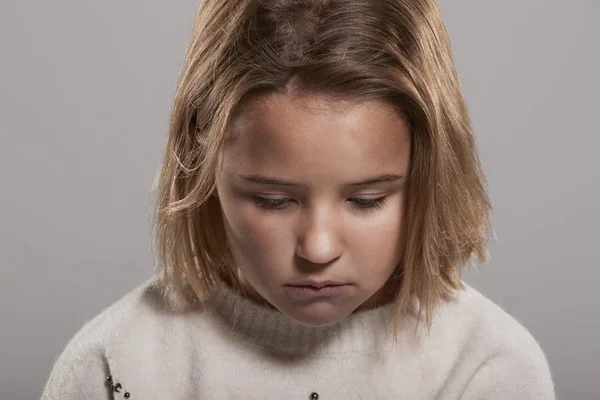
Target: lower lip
{"type": "Point", "coordinates": [311, 292]}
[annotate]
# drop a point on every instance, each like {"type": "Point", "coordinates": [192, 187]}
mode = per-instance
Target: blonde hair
{"type": "Point", "coordinates": [392, 50]}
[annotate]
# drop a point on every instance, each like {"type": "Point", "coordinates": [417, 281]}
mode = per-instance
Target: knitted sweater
{"type": "Point", "coordinates": [232, 348]}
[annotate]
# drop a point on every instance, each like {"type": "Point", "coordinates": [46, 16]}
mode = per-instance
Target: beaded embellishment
{"type": "Point", "coordinates": [116, 386]}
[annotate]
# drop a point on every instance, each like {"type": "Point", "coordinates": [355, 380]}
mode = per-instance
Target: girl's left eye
{"type": "Point", "coordinates": [270, 204]}
{"type": "Point", "coordinates": [361, 204]}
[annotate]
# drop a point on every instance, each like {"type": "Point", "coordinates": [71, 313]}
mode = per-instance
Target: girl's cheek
{"type": "Point", "coordinates": [383, 236]}
{"type": "Point", "coordinates": [260, 233]}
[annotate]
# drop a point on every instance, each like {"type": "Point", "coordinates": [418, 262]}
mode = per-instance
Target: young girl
{"type": "Point", "coordinates": [319, 196]}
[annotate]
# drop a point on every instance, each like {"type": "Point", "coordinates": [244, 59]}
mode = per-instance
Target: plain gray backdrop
{"type": "Point", "coordinates": [85, 92]}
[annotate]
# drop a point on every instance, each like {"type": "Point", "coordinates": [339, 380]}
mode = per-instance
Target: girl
{"type": "Point", "coordinates": [319, 196]}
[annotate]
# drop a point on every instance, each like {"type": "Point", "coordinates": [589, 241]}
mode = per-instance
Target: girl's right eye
{"type": "Point", "coordinates": [270, 204]}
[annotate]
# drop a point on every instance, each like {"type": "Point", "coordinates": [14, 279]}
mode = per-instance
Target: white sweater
{"type": "Point", "coordinates": [235, 349]}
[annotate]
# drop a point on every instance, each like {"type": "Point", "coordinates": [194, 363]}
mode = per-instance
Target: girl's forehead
{"type": "Point", "coordinates": [286, 113]}
{"type": "Point", "coordinates": [312, 133]}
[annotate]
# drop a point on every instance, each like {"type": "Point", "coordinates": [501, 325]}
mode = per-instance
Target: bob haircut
{"type": "Point", "coordinates": [359, 50]}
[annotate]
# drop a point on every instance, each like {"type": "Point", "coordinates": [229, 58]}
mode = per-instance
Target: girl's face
{"type": "Point", "coordinates": [312, 193]}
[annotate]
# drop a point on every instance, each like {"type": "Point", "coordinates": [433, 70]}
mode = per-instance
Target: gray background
{"type": "Point", "coordinates": [85, 91]}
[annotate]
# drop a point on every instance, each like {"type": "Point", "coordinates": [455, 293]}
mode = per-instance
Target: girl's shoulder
{"type": "Point", "coordinates": [470, 317]}
{"type": "Point", "coordinates": [478, 315]}
{"type": "Point", "coordinates": [138, 329]}
{"type": "Point", "coordinates": [499, 350]}
{"type": "Point", "coordinates": [141, 311]}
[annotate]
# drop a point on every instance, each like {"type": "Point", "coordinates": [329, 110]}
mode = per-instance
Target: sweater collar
{"type": "Point", "coordinates": [360, 332]}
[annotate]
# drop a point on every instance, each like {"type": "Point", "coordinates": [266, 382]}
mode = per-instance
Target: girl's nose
{"type": "Point", "coordinates": [319, 241]}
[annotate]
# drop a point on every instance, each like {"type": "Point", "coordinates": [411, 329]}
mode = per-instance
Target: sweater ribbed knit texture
{"type": "Point", "coordinates": [231, 348]}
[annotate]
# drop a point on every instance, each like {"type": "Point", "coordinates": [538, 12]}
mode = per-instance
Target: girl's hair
{"type": "Point", "coordinates": [392, 50]}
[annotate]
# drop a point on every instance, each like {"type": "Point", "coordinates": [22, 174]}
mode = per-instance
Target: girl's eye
{"type": "Point", "coordinates": [270, 204]}
{"type": "Point", "coordinates": [369, 204]}
{"type": "Point", "coordinates": [361, 204]}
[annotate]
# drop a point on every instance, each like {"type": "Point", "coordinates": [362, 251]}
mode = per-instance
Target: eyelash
{"type": "Point", "coordinates": [364, 205]}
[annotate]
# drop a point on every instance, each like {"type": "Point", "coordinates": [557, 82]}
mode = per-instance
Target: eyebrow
{"type": "Point", "coordinates": [262, 180]}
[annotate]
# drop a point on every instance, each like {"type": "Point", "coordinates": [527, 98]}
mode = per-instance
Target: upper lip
{"type": "Point", "coordinates": [316, 283]}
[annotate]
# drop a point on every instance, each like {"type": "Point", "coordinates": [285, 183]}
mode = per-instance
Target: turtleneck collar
{"type": "Point", "coordinates": [360, 332]}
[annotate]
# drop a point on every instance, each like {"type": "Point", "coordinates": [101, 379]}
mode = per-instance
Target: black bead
{"type": "Point", "coordinates": [314, 396]}
{"type": "Point", "coordinates": [127, 395]}
{"type": "Point", "coordinates": [109, 379]}
{"type": "Point", "coordinates": [117, 388]}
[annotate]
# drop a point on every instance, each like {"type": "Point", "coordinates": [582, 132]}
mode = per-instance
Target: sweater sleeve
{"type": "Point", "coordinates": [516, 375]}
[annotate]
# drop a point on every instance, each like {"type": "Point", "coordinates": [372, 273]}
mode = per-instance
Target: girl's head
{"type": "Point", "coordinates": [320, 140]}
